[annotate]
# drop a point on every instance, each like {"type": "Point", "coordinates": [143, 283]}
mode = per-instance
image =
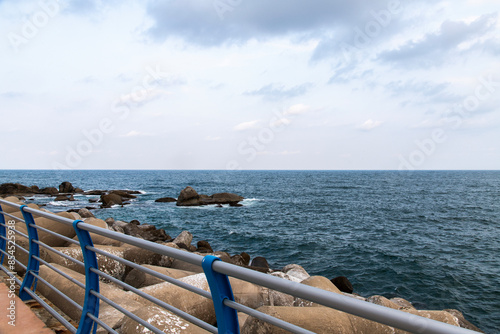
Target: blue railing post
{"type": "Point", "coordinates": [220, 288]}
{"type": "Point", "coordinates": [3, 233]}
{"type": "Point", "coordinates": [29, 280]}
{"type": "Point", "coordinates": [91, 303]}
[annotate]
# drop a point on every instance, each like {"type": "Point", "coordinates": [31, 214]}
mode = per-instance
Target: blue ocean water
{"type": "Point", "coordinates": [431, 237]}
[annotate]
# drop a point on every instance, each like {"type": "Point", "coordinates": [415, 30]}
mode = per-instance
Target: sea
{"type": "Point", "coordinates": [431, 237]}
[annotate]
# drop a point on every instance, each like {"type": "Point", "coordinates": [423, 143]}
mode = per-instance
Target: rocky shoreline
{"type": "Point", "coordinates": [269, 301]}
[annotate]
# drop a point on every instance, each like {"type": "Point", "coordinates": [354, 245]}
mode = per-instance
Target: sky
{"type": "Point", "coordinates": [250, 84]}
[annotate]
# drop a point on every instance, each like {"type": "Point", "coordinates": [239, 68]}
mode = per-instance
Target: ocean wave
{"type": "Point", "coordinates": [62, 203]}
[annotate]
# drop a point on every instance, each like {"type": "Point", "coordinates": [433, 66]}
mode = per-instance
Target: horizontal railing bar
{"type": "Point", "coordinates": [14, 205]}
{"type": "Point", "coordinates": [13, 217]}
{"type": "Point", "coordinates": [16, 260]}
{"type": "Point", "coordinates": [266, 317]}
{"type": "Point", "coordinates": [18, 246]}
{"type": "Point", "coordinates": [59, 253]}
{"type": "Point", "coordinates": [126, 312]}
{"type": "Point", "coordinates": [102, 324]}
{"type": "Point", "coordinates": [53, 312]}
{"type": "Point", "coordinates": [154, 273]}
{"type": "Point", "coordinates": [71, 279]}
{"type": "Point", "coordinates": [55, 234]}
{"type": "Point", "coordinates": [56, 290]}
{"type": "Point", "coordinates": [11, 275]}
{"type": "Point", "coordinates": [370, 311]}
{"type": "Point", "coordinates": [161, 303]}
{"type": "Point", "coordinates": [50, 216]}
{"type": "Point", "coordinates": [148, 245]}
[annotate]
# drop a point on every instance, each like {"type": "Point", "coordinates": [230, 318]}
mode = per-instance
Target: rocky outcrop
{"type": "Point", "coordinates": [15, 189]}
{"type": "Point", "coordinates": [66, 187]}
{"type": "Point", "coordinates": [190, 197]}
{"type": "Point", "coordinates": [108, 200]}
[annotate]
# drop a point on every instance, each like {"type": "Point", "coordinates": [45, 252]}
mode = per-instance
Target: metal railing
{"type": "Point", "coordinates": [216, 272]}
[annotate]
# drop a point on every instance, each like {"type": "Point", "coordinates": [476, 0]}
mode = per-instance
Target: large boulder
{"type": "Point", "coordinates": [123, 193]}
{"type": "Point", "coordinates": [15, 189]}
{"type": "Point", "coordinates": [225, 198]}
{"type": "Point", "coordinates": [188, 197]}
{"type": "Point", "coordinates": [66, 187]}
{"type": "Point", "coordinates": [108, 200]}
{"type": "Point", "coordinates": [160, 318]}
{"type": "Point", "coordinates": [318, 320]}
{"type": "Point", "coordinates": [49, 191]}
{"type": "Point", "coordinates": [139, 279]}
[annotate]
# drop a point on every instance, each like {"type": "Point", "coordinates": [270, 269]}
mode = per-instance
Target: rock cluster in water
{"type": "Point", "coordinates": [301, 312]}
{"type": "Point", "coordinates": [108, 198]}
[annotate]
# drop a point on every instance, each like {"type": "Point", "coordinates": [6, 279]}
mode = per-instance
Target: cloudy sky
{"type": "Point", "coordinates": [250, 84]}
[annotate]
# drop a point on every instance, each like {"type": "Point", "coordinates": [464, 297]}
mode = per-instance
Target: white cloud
{"type": "Point", "coordinates": [297, 109]}
{"type": "Point", "coordinates": [280, 122]}
{"type": "Point", "coordinates": [369, 125]}
{"type": "Point", "coordinates": [247, 125]}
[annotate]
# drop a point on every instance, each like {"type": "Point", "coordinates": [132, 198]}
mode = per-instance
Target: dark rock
{"type": "Point", "coordinates": [66, 187]}
{"type": "Point", "coordinates": [150, 235]}
{"type": "Point", "coordinates": [110, 220]}
{"type": "Point", "coordinates": [79, 191]}
{"type": "Point", "coordinates": [109, 200]}
{"type": "Point", "coordinates": [132, 229]}
{"type": "Point", "coordinates": [49, 191]}
{"type": "Point", "coordinates": [156, 235]}
{"type": "Point", "coordinates": [188, 197]}
{"type": "Point", "coordinates": [166, 200]}
{"type": "Point", "coordinates": [35, 189]}
{"type": "Point", "coordinates": [235, 204]}
{"type": "Point", "coordinates": [93, 200]}
{"type": "Point", "coordinates": [135, 222]}
{"type": "Point", "coordinates": [246, 258]}
{"type": "Point", "coordinates": [95, 192]}
{"type": "Point", "coordinates": [260, 262]}
{"type": "Point", "coordinates": [219, 206]}
{"type": "Point", "coordinates": [61, 198]}
{"type": "Point", "coordinates": [238, 260]}
{"type": "Point", "coordinates": [343, 284]}
{"type": "Point", "coordinates": [147, 227]}
{"type": "Point", "coordinates": [204, 247]}
{"type": "Point", "coordinates": [226, 198]}
{"type": "Point", "coordinates": [123, 193]}
{"type": "Point", "coordinates": [14, 189]}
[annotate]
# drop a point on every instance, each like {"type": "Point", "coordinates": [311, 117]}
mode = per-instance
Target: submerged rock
{"type": "Point", "coordinates": [166, 200]}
